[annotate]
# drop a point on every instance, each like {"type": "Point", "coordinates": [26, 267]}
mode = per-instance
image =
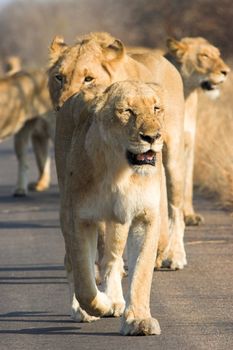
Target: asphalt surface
{"type": "Point", "coordinates": [194, 306]}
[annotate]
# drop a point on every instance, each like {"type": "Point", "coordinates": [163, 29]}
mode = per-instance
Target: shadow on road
{"type": "Point", "coordinates": [42, 317]}
{"type": "Point", "coordinates": [44, 331]}
{"type": "Point", "coordinates": [21, 225]}
{"type": "Point", "coordinates": [32, 268]}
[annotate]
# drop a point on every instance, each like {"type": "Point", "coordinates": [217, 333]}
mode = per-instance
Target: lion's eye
{"type": "Point", "coordinates": [130, 111]}
{"type": "Point", "coordinates": [88, 79]}
{"type": "Point", "coordinates": [204, 55]}
{"type": "Point", "coordinates": [59, 78]}
{"type": "Point", "coordinates": [156, 108]}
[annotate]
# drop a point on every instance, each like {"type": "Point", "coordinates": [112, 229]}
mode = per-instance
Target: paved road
{"type": "Point", "coordinates": [194, 306]}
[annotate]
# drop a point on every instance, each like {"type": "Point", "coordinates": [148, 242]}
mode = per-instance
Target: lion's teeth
{"type": "Point", "coordinates": [140, 156]}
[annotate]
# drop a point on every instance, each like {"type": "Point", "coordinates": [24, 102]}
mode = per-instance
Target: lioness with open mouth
{"type": "Point", "coordinates": [113, 174]}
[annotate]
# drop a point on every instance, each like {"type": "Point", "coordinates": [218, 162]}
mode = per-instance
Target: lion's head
{"type": "Point", "coordinates": [200, 62]}
{"type": "Point", "coordinates": [88, 63]}
{"type": "Point", "coordinates": [130, 119]}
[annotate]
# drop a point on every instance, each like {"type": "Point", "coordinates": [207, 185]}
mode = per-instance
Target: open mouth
{"type": "Point", "coordinates": [206, 85]}
{"type": "Point", "coordinates": [147, 158]}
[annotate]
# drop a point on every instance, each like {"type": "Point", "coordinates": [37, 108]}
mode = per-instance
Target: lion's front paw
{"type": "Point", "coordinates": [159, 262]}
{"type": "Point", "coordinates": [193, 219]}
{"type": "Point", "coordinates": [39, 186]}
{"type": "Point", "coordinates": [148, 326]}
{"type": "Point", "coordinates": [173, 260]}
{"type": "Point", "coordinates": [118, 308]}
{"type": "Point", "coordinates": [101, 305]}
{"type": "Point", "coordinates": [20, 192]}
{"type": "Point", "coordinates": [176, 262]}
{"type": "Point", "coordinates": [80, 315]}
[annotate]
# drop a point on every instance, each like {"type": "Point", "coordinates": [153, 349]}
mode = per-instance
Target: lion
{"type": "Point", "coordinates": [200, 66]}
{"type": "Point", "coordinates": [113, 174]}
{"type": "Point", "coordinates": [24, 95]}
{"type": "Point", "coordinates": [99, 58]}
{"type": "Point", "coordinates": [25, 105]}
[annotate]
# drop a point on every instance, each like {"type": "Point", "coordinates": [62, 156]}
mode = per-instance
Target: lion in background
{"type": "Point", "coordinates": [26, 114]}
{"type": "Point", "coordinates": [99, 58]}
{"type": "Point", "coordinates": [200, 66]}
{"type": "Point", "coordinates": [112, 172]}
{"type": "Point", "coordinates": [24, 95]}
{"type": "Point", "coordinates": [213, 170]}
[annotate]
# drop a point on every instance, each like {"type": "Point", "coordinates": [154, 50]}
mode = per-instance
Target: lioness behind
{"type": "Point", "coordinates": [99, 58]}
{"type": "Point", "coordinates": [201, 67]}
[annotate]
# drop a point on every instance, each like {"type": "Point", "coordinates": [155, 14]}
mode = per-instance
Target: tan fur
{"type": "Point", "coordinates": [143, 49]}
{"type": "Point", "coordinates": [12, 65]}
{"type": "Point", "coordinates": [98, 183]}
{"type": "Point", "coordinates": [24, 97]}
{"type": "Point", "coordinates": [198, 62]}
{"type": "Point", "coordinates": [200, 65]}
{"type": "Point", "coordinates": [41, 131]}
{"type": "Point", "coordinates": [99, 58]}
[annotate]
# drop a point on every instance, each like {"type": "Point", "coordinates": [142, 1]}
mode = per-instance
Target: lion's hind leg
{"type": "Point", "coordinates": [77, 313]}
{"type": "Point", "coordinates": [40, 142]}
{"type": "Point", "coordinates": [21, 142]}
{"type": "Point", "coordinates": [83, 253]}
{"type": "Point", "coordinates": [162, 251]}
{"type": "Point", "coordinates": [174, 170]}
{"type": "Point", "coordinates": [190, 216]}
{"type": "Point", "coordinates": [113, 265]}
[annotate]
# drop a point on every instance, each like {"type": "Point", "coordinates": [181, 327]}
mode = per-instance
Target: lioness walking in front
{"type": "Point", "coordinates": [114, 175]}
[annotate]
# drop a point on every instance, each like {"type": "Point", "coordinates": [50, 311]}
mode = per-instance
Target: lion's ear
{"type": "Point", "coordinates": [57, 47]}
{"type": "Point", "coordinates": [176, 48]}
{"type": "Point", "coordinates": [114, 51]}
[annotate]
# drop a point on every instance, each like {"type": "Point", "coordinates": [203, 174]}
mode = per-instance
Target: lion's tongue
{"type": "Point", "coordinates": [149, 155]}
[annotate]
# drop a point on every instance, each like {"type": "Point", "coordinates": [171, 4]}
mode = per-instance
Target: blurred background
{"type": "Point", "coordinates": [28, 26]}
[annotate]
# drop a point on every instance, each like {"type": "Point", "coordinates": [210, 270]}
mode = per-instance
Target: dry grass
{"type": "Point", "coordinates": [214, 145]}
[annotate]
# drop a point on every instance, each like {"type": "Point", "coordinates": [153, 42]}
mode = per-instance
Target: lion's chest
{"type": "Point", "coordinates": [119, 203]}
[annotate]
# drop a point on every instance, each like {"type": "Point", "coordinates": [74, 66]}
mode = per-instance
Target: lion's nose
{"type": "Point", "coordinates": [150, 138]}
